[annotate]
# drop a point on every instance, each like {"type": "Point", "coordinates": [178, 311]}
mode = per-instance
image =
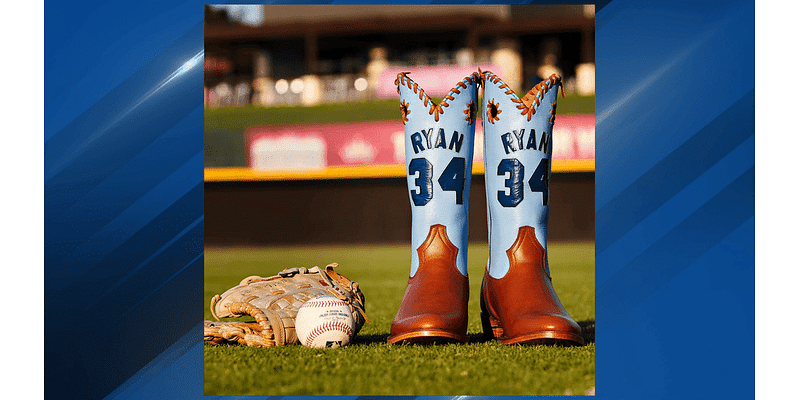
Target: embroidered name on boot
{"type": "Point", "coordinates": [516, 141]}
{"type": "Point", "coordinates": [424, 140]}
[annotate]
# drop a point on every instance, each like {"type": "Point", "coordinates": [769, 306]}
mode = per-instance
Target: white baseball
{"type": "Point", "coordinates": [324, 322]}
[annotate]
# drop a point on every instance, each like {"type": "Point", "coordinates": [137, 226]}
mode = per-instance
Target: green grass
{"type": "Point", "coordinates": [369, 366]}
{"type": "Point", "coordinates": [239, 118]}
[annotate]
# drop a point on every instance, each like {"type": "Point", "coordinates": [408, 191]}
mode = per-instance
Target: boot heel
{"type": "Point", "coordinates": [487, 326]}
{"type": "Point", "coordinates": [491, 327]}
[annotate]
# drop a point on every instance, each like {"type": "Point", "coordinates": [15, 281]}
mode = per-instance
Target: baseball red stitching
{"type": "Point", "coordinates": [330, 325]}
{"type": "Point", "coordinates": [323, 303]}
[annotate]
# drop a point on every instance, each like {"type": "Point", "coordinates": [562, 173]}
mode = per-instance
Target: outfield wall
{"type": "Point", "coordinates": [363, 211]}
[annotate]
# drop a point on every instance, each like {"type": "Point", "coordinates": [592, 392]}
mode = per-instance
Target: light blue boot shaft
{"type": "Point", "coordinates": [518, 149]}
{"type": "Point", "coordinates": [439, 145]}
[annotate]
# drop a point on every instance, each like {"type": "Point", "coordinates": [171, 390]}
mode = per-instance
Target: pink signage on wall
{"type": "Point", "coordinates": [437, 80]}
{"type": "Point", "coordinates": [369, 143]}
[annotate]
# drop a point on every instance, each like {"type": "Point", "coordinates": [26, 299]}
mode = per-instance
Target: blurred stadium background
{"type": "Point", "coordinates": [302, 129]}
{"type": "Point", "coordinates": [304, 165]}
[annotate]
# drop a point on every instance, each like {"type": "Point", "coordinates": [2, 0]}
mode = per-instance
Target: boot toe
{"type": "Point", "coordinates": [535, 328]}
{"type": "Point", "coordinates": [428, 328]}
{"type": "Point", "coordinates": [434, 306]}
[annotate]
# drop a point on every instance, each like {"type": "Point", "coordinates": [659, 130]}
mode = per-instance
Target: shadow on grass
{"type": "Point", "coordinates": [370, 339]}
{"type": "Point", "coordinates": [587, 330]}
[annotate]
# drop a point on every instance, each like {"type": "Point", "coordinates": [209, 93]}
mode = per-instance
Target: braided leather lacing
{"type": "Point", "coordinates": [434, 109]}
{"type": "Point", "coordinates": [531, 101]}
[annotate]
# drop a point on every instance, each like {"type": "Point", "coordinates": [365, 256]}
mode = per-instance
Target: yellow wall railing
{"type": "Point", "coordinates": [246, 174]}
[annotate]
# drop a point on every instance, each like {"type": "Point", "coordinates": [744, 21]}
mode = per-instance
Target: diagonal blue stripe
{"type": "Point", "coordinates": [142, 329]}
{"type": "Point", "coordinates": [145, 241]}
{"type": "Point", "coordinates": [672, 174]}
{"type": "Point", "coordinates": [73, 216]}
{"type": "Point", "coordinates": [135, 109]}
{"type": "Point", "coordinates": [655, 90]}
{"type": "Point", "coordinates": [72, 224]}
{"type": "Point", "coordinates": [677, 250]}
{"type": "Point", "coordinates": [73, 166]}
{"type": "Point", "coordinates": [169, 367]}
{"type": "Point", "coordinates": [139, 214]}
{"type": "Point", "coordinates": [147, 277]}
{"type": "Point", "coordinates": [677, 209]}
{"type": "Point", "coordinates": [600, 4]}
{"type": "Point", "coordinates": [150, 258]}
{"type": "Point", "coordinates": [687, 319]}
{"type": "Point", "coordinates": [149, 295]}
{"type": "Point", "coordinates": [119, 350]}
{"type": "Point", "coordinates": [604, 14]}
{"type": "Point", "coordinates": [399, 397]}
{"type": "Point", "coordinates": [91, 50]}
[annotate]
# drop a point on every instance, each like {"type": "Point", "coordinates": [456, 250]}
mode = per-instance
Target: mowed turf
{"type": "Point", "coordinates": [370, 366]}
{"type": "Point", "coordinates": [239, 118]}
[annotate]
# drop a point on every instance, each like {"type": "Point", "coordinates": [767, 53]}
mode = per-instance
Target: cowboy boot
{"type": "Point", "coordinates": [439, 147]}
{"type": "Point", "coordinates": [518, 302]}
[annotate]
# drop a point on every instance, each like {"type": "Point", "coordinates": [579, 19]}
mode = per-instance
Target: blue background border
{"type": "Point", "coordinates": [675, 178]}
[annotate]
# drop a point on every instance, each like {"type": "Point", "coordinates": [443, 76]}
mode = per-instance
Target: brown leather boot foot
{"type": "Point", "coordinates": [434, 306]}
{"type": "Point", "coordinates": [522, 307]}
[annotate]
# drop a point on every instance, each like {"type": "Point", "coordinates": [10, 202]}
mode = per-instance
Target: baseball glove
{"type": "Point", "coordinates": [273, 303]}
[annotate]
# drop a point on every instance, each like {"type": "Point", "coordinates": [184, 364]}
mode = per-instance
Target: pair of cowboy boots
{"type": "Point", "coordinates": [518, 302]}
